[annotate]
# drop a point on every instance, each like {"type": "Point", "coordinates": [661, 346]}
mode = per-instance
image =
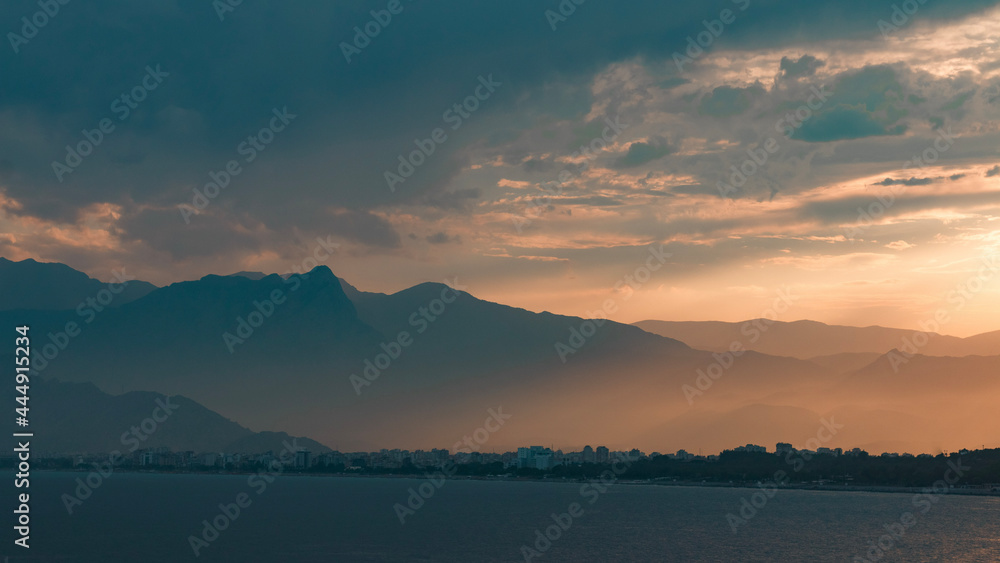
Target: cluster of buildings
{"type": "Point", "coordinates": [166, 458]}
{"type": "Point", "coordinates": [531, 457]}
{"type": "Point", "coordinates": [783, 448]}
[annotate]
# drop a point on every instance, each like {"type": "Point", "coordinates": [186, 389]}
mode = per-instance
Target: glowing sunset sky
{"type": "Point", "coordinates": [931, 88]}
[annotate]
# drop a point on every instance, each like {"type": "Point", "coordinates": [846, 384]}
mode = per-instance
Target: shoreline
{"type": "Point", "coordinates": [887, 489]}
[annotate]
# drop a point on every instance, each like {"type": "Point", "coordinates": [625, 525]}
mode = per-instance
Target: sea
{"type": "Point", "coordinates": [149, 517]}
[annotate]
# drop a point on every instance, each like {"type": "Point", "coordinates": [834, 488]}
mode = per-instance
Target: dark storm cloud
{"type": "Point", "coordinates": [443, 238]}
{"type": "Point", "coordinates": [594, 201]}
{"type": "Point", "coordinates": [537, 165]}
{"type": "Point", "coordinates": [727, 100]}
{"type": "Point", "coordinates": [224, 79]}
{"type": "Point", "coordinates": [865, 103]}
{"type": "Point", "coordinates": [907, 182]}
{"type": "Point", "coordinates": [364, 227]}
{"type": "Point", "coordinates": [642, 152]}
{"type": "Point", "coordinates": [458, 199]}
{"type": "Point", "coordinates": [844, 122]}
{"type": "Point", "coordinates": [695, 189]}
{"type": "Point", "coordinates": [806, 65]}
{"type": "Point", "coordinates": [958, 101]}
{"type": "Point", "coordinates": [200, 239]}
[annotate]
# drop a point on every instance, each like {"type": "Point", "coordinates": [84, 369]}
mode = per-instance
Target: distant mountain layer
{"type": "Point", "coordinates": [808, 339]}
{"type": "Point", "coordinates": [79, 418]}
{"type": "Point", "coordinates": [52, 287]}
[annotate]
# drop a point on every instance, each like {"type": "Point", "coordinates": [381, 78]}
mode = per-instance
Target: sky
{"type": "Point", "coordinates": [844, 154]}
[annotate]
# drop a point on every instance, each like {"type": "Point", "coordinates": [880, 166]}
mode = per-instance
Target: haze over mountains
{"type": "Point", "coordinates": [810, 339]}
{"type": "Point", "coordinates": [302, 369]}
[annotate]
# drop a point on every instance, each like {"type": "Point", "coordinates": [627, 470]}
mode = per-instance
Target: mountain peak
{"type": "Point", "coordinates": [323, 272]}
{"type": "Point", "coordinates": [249, 275]}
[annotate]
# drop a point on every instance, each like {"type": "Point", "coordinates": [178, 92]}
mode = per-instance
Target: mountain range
{"type": "Point", "coordinates": [312, 355]}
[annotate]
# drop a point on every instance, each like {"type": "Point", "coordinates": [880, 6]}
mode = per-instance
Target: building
{"type": "Point", "coordinates": [528, 457]}
{"type": "Point", "coordinates": [543, 461]}
{"type": "Point", "coordinates": [303, 459]}
{"type": "Point", "coordinates": [523, 455]}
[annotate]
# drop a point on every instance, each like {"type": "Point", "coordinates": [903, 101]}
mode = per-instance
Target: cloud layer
{"type": "Point", "coordinates": [513, 175]}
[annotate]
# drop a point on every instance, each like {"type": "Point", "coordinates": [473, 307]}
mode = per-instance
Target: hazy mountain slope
{"type": "Point", "coordinates": [807, 339]}
{"type": "Point", "coordinates": [606, 394]}
{"type": "Point", "coordinates": [894, 377]}
{"type": "Point", "coordinates": [846, 362]}
{"type": "Point", "coordinates": [77, 417]}
{"type": "Point", "coordinates": [472, 334]}
{"type": "Point", "coordinates": [986, 344]}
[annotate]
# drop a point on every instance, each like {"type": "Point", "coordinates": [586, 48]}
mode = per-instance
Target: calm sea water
{"type": "Point", "coordinates": [148, 518]}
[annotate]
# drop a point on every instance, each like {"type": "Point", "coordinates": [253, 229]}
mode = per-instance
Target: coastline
{"type": "Point", "coordinates": [959, 490]}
